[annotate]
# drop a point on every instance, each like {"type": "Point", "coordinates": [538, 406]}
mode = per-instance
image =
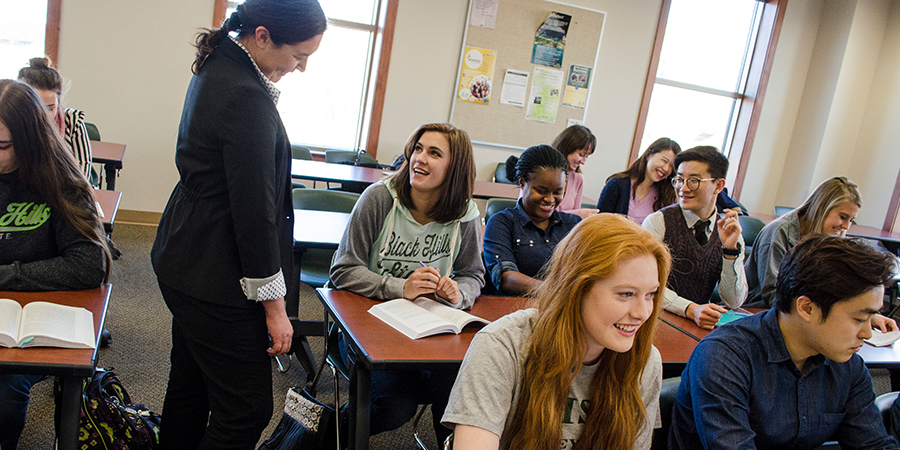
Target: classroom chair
{"type": "Point", "coordinates": [315, 263]}
{"type": "Point", "coordinates": [349, 156]}
{"type": "Point", "coordinates": [299, 152]}
{"type": "Point", "coordinates": [782, 210]}
{"type": "Point", "coordinates": [495, 205]}
{"type": "Point", "coordinates": [500, 175]}
{"type": "Point", "coordinates": [750, 228]}
{"type": "Point", "coordinates": [667, 394]}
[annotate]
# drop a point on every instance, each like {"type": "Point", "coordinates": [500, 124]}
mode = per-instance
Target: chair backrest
{"type": "Point", "coordinates": [782, 210]}
{"type": "Point", "coordinates": [667, 394]}
{"type": "Point", "coordinates": [324, 200]}
{"type": "Point", "coordinates": [500, 174]}
{"type": "Point", "coordinates": [336, 156]}
{"type": "Point", "coordinates": [750, 228]}
{"type": "Point", "coordinates": [300, 152]}
{"type": "Point", "coordinates": [93, 132]}
{"type": "Point", "coordinates": [495, 205]}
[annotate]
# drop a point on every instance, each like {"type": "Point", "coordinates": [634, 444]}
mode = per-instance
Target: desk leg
{"type": "Point", "coordinates": [70, 412]}
{"type": "Point", "coordinates": [895, 379]}
{"type": "Point", "coordinates": [110, 169]}
{"type": "Point", "coordinates": [360, 398]}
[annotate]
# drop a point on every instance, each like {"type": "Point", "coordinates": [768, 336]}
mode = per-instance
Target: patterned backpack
{"type": "Point", "coordinates": [110, 421]}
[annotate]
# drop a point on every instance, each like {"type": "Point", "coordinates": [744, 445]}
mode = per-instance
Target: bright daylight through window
{"type": "Point", "coordinates": [702, 72]}
{"type": "Point", "coordinates": [325, 106]}
{"type": "Point", "coordinates": [22, 28]}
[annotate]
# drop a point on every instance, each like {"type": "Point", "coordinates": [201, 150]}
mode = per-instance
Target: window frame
{"type": "Point", "coordinates": [747, 117]}
{"type": "Point", "coordinates": [51, 30]}
{"type": "Point", "coordinates": [379, 65]}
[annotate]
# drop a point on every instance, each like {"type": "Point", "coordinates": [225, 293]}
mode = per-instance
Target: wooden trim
{"type": "Point", "coordinates": [219, 13]}
{"type": "Point", "coordinates": [651, 80]}
{"type": "Point", "coordinates": [384, 63]}
{"type": "Point", "coordinates": [138, 217]}
{"type": "Point", "coordinates": [751, 108]}
{"type": "Point", "coordinates": [893, 206]}
{"type": "Point", "coordinates": [51, 31]}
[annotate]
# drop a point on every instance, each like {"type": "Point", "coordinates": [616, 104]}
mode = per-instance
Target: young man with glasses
{"type": "Point", "coordinates": [706, 249]}
{"type": "Point", "coordinates": [790, 377]}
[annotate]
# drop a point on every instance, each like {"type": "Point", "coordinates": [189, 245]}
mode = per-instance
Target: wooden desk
{"type": "Point", "coordinates": [378, 346]}
{"type": "Point", "coordinates": [111, 156]}
{"type": "Point", "coordinates": [109, 206]}
{"type": "Point", "coordinates": [73, 366]}
{"type": "Point", "coordinates": [361, 177]}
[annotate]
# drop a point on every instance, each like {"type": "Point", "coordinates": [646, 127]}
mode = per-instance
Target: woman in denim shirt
{"type": "Point", "coordinates": [518, 241]}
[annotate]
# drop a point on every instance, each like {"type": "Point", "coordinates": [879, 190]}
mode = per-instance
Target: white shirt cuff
{"type": "Point", "coordinates": [263, 289]}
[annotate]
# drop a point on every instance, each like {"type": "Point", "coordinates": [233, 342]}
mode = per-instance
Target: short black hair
{"type": "Point", "coordinates": [830, 269]}
{"type": "Point", "coordinates": [715, 161]}
{"type": "Point", "coordinates": [532, 159]}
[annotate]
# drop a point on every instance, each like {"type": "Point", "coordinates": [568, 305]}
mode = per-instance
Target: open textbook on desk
{"type": "Point", "coordinates": [42, 324]}
{"type": "Point", "coordinates": [423, 317]}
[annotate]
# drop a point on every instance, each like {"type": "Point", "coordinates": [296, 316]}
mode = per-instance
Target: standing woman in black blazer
{"type": "Point", "coordinates": [224, 240]}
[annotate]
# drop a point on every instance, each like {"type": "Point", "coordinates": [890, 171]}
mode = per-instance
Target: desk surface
{"type": "Point", "coordinates": [382, 347]}
{"type": "Point", "coordinates": [319, 229]}
{"type": "Point", "coordinates": [107, 152]}
{"type": "Point", "coordinates": [58, 361]}
{"type": "Point", "coordinates": [109, 206]}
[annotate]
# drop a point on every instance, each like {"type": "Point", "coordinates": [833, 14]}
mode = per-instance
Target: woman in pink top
{"type": "Point", "coordinates": [576, 143]}
{"type": "Point", "coordinates": [645, 186]}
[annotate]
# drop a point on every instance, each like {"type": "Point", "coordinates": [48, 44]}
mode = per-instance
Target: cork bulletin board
{"type": "Point", "coordinates": [512, 39]}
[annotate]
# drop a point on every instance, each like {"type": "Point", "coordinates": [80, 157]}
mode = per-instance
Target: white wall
{"type": "Point", "coordinates": [129, 66]}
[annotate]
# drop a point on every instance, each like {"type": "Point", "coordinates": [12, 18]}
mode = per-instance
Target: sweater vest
{"type": "Point", "coordinates": [695, 269]}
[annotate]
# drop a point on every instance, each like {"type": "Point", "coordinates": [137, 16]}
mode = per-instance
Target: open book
{"type": "Point", "coordinates": [423, 317]}
{"type": "Point", "coordinates": [880, 339]}
{"type": "Point", "coordinates": [42, 324]}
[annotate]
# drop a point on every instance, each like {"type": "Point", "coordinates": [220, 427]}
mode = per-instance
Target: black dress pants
{"type": "Point", "coordinates": [219, 394]}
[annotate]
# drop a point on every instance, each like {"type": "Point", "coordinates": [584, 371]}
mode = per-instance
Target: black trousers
{"type": "Point", "coordinates": [219, 394]}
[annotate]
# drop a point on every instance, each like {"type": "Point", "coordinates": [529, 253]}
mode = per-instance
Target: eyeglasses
{"type": "Point", "coordinates": [693, 183]}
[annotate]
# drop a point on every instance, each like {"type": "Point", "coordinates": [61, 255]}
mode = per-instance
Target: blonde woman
{"type": "Point", "coordinates": [527, 379]}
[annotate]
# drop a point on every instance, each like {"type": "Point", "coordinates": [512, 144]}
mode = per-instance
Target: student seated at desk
{"type": "Point", "coordinates": [706, 250]}
{"type": "Point", "coordinates": [790, 377]}
{"type": "Point", "coordinates": [47, 82]}
{"type": "Point", "coordinates": [645, 186]}
{"type": "Point", "coordinates": [51, 236]}
{"type": "Point", "coordinates": [415, 234]}
{"type": "Point", "coordinates": [518, 241]}
{"type": "Point", "coordinates": [579, 368]}
{"type": "Point", "coordinates": [830, 209]}
{"type": "Point", "coordinates": [576, 143]}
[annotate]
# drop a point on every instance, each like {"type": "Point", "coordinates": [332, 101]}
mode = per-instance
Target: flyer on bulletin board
{"type": "Point", "coordinates": [577, 86]}
{"type": "Point", "coordinates": [550, 40]}
{"type": "Point", "coordinates": [543, 102]}
{"type": "Point", "coordinates": [476, 76]}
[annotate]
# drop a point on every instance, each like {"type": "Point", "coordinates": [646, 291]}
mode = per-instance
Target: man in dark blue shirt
{"type": "Point", "coordinates": [790, 377]}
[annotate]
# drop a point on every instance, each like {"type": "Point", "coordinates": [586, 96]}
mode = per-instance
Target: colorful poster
{"type": "Point", "coordinates": [476, 76]}
{"type": "Point", "coordinates": [577, 86]}
{"type": "Point", "coordinates": [550, 40]}
{"type": "Point", "coordinates": [514, 84]}
{"type": "Point", "coordinates": [484, 13]}
{"type": "Point", "coordinates": [543, 102]}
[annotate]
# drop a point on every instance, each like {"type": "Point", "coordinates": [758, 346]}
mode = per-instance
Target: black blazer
{"type": "Point", "coordinates": [231, 215]}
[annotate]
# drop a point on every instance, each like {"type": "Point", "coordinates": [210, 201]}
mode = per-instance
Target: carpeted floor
{"type": "Point", "coordinates": [140, 325]}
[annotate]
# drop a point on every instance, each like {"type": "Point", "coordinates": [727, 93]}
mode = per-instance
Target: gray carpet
{"type": "Point", "coordinates": [140, 325]}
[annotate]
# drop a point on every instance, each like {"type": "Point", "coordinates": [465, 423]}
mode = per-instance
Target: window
{"type": "Point", "coordinates": [22, 34]}
{"type": "Point", "coordinates": [707, 76]}
{"type": "Point", "coordinates": [329, 105]}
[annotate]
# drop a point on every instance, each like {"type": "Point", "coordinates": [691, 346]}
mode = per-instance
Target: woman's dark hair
{"type": "Point", "coordinates": [573, 139]}
{"type": "Point", "coordinates": [288, 22]}
{"type": "Point", "coordinates": [637, 171]}
{"type": "Point", "coordinates": [534, 159]}
{"type": "Point", "coordinates": [45, 163]}
{"type": "Point", "coordinates": [830, 269]}
{"type": "Point", "coordinates": [459, 181]}
{"type": "Point", "coordinates": [40, 75]}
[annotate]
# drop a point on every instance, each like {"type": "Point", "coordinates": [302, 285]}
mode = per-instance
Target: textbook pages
{"type": "Point", "coordinates": [423, 317]}
{"type": "Point", "coordinates": [42, 324]}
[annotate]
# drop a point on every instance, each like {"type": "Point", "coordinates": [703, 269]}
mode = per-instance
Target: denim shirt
{"type": "Point", "coordinates": [741, 390]}
{"type": "Point", "coordinates": [513, 242]}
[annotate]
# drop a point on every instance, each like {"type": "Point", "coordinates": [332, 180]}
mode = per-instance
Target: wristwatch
{"type": "Point", "coordinates": [732, 252]}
